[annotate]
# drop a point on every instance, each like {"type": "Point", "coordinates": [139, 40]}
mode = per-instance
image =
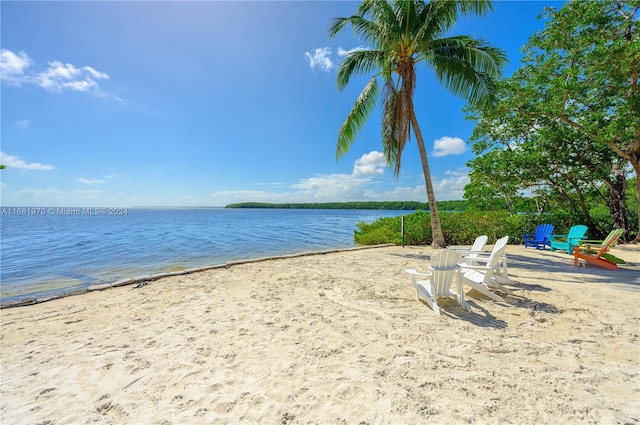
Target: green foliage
{"type": "Point", "coordinates": [381, 231]}
{"type": "Point", "coordinates": [567, 124]}
{"type": "Point", "coordinates": [461, 228]}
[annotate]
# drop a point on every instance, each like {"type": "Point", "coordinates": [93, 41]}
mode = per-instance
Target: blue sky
{"type": "Point", "coordinates": [208, 103]}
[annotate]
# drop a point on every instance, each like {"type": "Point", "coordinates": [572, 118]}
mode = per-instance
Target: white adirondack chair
{"type": "Point", "coordinates": [476, 248]}
{"type": "Point", "coordinates": [502, 271]}
{"type": "Point", "coordinates": [443, 269]}
{"type": "Point", "coordinates": [482, 273]}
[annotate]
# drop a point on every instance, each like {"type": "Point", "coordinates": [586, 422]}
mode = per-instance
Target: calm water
{"type": "Point", "coordinates": [58, 251]}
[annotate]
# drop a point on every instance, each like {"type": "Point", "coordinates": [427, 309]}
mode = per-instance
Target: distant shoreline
{"type": "Point", "coordinates": [359, 205]}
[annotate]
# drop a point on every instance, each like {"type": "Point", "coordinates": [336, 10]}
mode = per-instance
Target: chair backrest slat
{"type": "Point", "coordinates": [443, 266]}
{"type": "Point", "coordinates": [577, 232]}
{"type": "Point", "coordinates": [610, 240]}
{"type": "Point", "coordinates": [543, 231]}
{"type": "Point", "coordinates": [479, 243]}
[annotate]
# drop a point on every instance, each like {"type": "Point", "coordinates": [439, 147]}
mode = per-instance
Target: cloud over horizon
{"type": "Point", "coordinates": [351, 187]}
{"type": "Point", "coordinates": [89, 181]}
{"type": "Point", "coordinates": [319, 188]}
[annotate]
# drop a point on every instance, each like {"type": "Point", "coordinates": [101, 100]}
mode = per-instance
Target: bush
{"type": "Point", "coordinates": [461, 228]}
{"type": "Point", "coordinates": [383, 230]}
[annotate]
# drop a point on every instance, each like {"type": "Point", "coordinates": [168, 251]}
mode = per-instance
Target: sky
{"type": "Point", "coordinates": [206, 103]}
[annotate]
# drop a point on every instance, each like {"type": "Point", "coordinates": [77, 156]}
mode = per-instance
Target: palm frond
{"type": "Point", "coordinates": [467, 67]}
{"type": "Point", "coordinates": [389, 130]}
{"type": "Point", "coordinates": [358, 115]}
{"type": "Point", "coordinates": [337, 25]}
{"type": "Point", "coordinates": [476, 7]}
{"type": "Point", "coordinates": [359, 62]}
{"type": "Point", "coordinates": [437, 17]}
{"type": "Point", "coordinates": [407, 74]}
{"type": "Point", "coordinates": [384, 15]}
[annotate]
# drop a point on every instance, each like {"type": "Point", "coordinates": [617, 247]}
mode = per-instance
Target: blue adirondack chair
{"type": "Point", "coordinates": [570, 240]}
{"type": "Point", "coordinates": [540, 238]}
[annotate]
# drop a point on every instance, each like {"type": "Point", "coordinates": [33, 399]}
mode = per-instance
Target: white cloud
{"type": "Point", "coordinates": [343, 186]}
{"type": "Point", "coordinates": [320, 188]}
{"type": "Point", "coordinates": [16, 70]}
{"type": "Point", "coordinates": [13, 66]}
{"type": "Point", "coordinates": [400, 193]}
{"type": "Point", "coordinates": [325, 188]}
{"type": "Point", "coordinates": [90, 182]}
{"type": "Point", "coordinates": [362, 184]}
{"type": "Point", "coordinates": [60, 76]}
{"type": "Point", "coordinates": [451, 187]}
{"type": "Point", "coordinates": [40, 192]}
{"type": "Point", "coordinates": [226, 197]}
{"type": "Point", "coordinates": [320, 59]}
{"type": "Point", "coordinates": [448, 146]}
{"type": "Point", "coordinates": [342, 52]}
{"type": "Point", "coordinates": [11, 161]}
{"type": "Point", "coordinates": [23, 123]}
{"type": "Point", "coordinates": [458, 172]}
{"type": "Point", "coordinates": [96, 74]}
{"type": "Point", "coordinates": [372, 163]}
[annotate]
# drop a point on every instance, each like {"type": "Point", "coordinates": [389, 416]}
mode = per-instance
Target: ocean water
{"type": "Point", "coordinates": [52, 251]}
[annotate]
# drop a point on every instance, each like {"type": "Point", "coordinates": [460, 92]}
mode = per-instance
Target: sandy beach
{"type": "Point", "coordinates": [337, 338]}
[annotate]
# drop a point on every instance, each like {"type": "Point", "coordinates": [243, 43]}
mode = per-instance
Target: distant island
{"type": "Point", "coordinates": [384, 205]}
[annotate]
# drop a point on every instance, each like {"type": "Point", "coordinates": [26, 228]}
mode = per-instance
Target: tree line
{"type": "Point", "coordinates": [455, 205]}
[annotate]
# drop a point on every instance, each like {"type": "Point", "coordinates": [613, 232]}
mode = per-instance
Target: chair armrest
{"type": "Point", "coordinates": [588, 249]}
{"type": "Point", "coordinates": [591, 242]}
{"type": "Point", "coordinates": [464, 266]}
{"type": "Point", "coordinates": [416, 273]}
{"type": "Point", "coordinates": [475, 259]}
{"type": "Point", "coordinates": [469, 251]}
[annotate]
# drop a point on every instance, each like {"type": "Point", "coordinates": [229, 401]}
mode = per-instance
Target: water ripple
{"type": "Point", "coordinates": [54, 254]}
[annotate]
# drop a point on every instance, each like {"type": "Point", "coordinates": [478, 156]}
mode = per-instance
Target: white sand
{"type": "Point", "coordinates": [329, 339]}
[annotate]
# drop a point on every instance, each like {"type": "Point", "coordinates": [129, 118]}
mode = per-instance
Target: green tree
{"type": "Point", "coordinates": [401, 34]}
{"type": "Point", "coordinates": [573, 108]}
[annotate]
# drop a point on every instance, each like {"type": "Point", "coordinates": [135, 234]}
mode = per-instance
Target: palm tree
{"type": "Point", "coordinates": [401, 34]}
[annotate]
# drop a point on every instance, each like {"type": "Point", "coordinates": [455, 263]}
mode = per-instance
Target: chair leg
{"type": "Point", "coordinates": [483, 290]}
{"type": "Point", "coordinates": [426, 296]}
{"type": "Point", "coordinates": [505, 271]}
{"type": "Point", "coordinates": [433, 303]}
{"type": "Point", "coordinates": [460, 294]}
{"type": "Point", "coordinates": [498, 280]}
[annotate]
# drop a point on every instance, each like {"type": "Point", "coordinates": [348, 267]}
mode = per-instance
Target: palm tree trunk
{"type": "Point", "coordinates": [436, 226]}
